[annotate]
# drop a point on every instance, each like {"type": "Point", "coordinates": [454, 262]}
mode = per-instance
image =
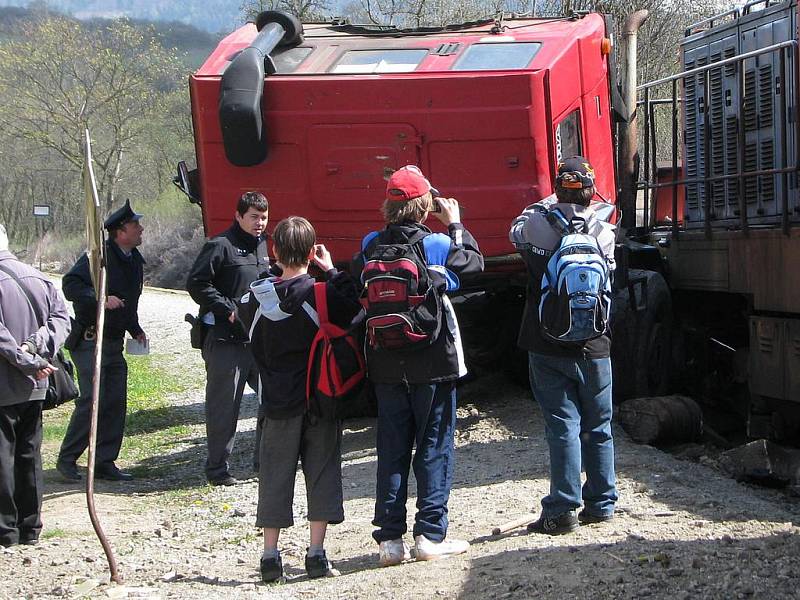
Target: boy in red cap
{"type": "Point", "coordinates": [415, 383]}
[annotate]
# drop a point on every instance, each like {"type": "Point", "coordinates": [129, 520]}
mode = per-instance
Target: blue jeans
{"type": "Point", "coordinates": [425, 414]}
{"type": "Point", "coordinates": [575, 396]}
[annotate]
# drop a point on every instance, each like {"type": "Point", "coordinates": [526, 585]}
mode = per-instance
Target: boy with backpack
{"type": "Point", "coordinates": [287, 314]}
{"type": "Point", "coordinates": [569, 252]}
{"type": "Point", "coordinates": [414, 356]}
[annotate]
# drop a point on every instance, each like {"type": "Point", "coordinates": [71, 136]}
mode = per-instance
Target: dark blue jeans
{"type": "Point", "coordinates": [575, 396]}
{"type": "Point", "coordinates": [424, 414]}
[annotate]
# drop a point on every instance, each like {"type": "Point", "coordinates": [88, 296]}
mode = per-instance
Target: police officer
{"type": "Point", "coordinates": [124, 266]}
{"type": "Point", "coordinates": [221, 275]}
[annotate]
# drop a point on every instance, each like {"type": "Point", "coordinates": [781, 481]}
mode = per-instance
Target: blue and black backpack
{"type": "Point", "coordinates": [575, 305]}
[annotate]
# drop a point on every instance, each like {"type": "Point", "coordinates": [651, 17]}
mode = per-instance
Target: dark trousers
{"type": "Point", "coordinates": [20, 472]}
{"type": "Point", "coordinates": [424, 414]}
{"type": "Point", "coordinates": [112, 407]}
{"type": "Point", "coordinates": [318, 445]}
{"type": "Point", "coordinates": [229, 365]}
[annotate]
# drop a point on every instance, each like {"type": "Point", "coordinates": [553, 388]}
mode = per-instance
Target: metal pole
{"type": "Point", "coordinates": [646, 161]}
{"type": "Point", "coordinates": [675, 158]}
{"type": "Point", "coordinates": [98, 357]}
{"type": "Point", "coordinates": [706, 150]}
{"type": "Point", "coordinates": [740, 149]}
{"type": "Point", "coordinates": [784, 118]}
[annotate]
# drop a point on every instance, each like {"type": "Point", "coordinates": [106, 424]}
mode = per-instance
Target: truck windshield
{"type": "Point", "coordinates": [379, 61]}
{"type": "Point", "coordinates": [286, 61]}
{"type": "Point", "coordinates": [497, 55]}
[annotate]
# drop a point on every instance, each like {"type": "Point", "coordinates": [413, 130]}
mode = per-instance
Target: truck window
{"type": "Point", "coordinates": [498, 55]}
{"type": "Point", "coordinates": [288, 60]}
{"type": "Point", "coordinates": [568, 136]}
{"type": "Point", "coordinates": [380, 61]}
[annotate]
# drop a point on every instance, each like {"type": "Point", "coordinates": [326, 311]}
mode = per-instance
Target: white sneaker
{"type": "Point", "coordinates": [428, 550]}
{"type": "Point", "coordinates": [393, 552]}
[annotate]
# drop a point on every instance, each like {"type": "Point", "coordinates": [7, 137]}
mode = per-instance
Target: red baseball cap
{"type": "Point", "coordinates": [408, 183]}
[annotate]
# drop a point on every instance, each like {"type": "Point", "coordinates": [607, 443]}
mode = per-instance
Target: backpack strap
{"type": "Point", "coordinates": [321, 302]}
{"type": "Point", "coordinates": [25, 291]}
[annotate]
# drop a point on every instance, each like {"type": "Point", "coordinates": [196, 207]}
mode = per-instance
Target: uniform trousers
{"type": "Point", "coordinates": [112, 408]}
{"type": "Point", "coordinates": [229, 365]}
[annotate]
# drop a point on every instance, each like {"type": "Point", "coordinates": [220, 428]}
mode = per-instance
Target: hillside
{"type": "Point", "coordinates": [194, 44]}
{"type": "Point", "coordinates": [208, 15]}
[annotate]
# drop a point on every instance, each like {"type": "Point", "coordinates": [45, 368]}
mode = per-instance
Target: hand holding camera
{"type": "Point", "coordinates": [447, 210]}
{"type": "Point", "coordinates": [322, 257]}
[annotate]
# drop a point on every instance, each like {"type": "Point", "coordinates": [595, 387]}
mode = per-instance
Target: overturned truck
{"type": "Point", "coordinates": [317, 115]}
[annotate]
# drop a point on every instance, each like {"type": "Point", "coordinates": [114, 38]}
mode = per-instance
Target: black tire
{"type": "Point", "coordinates": [290, 23]}
{"type": "Point", "coordinates": [653, 357]}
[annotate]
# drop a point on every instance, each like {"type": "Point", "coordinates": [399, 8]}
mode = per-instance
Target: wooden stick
{"type": "Point", "coordinates": [515, 524]}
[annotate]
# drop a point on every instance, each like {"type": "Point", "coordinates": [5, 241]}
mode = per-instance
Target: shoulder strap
{"type": "Point", "coordinates": [25, 291]}
{"type": "Point", "coordinates": [321, 301]}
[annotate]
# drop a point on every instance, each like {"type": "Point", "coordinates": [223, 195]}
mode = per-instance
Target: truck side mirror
{"type": "Point", "coordinates": [188, 182]}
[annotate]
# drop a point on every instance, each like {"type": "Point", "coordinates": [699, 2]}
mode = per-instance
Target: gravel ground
{"type": "Point", "coordinates": [683, 529]}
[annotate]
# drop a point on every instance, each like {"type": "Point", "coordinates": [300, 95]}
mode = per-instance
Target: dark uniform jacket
{"type": "Point", "coordinates": [43, 321]}
{"type": "Point", "coordinates": [450, 257]}
{"type": "Point", "coordinates": [282, 330]}
{"type": "Point", "coordinates": [536, 240]}
{"type": "Point", "coordinates": [222, 273]}
{"type": "Point", "coordinates": [124, 278]}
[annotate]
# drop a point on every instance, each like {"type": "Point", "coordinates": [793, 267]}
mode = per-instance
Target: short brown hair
{"type": "Point", "coordinates": [574, 196]}
{"type": "Point", "coordinates": [250, 200]}
{"type": "Point", "coordinates": [398, 211]}
{"type": "Point", "coordinates": [294, 237]}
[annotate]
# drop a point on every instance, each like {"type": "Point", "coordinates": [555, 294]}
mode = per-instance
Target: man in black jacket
{"type": "Point", "coordinates": [570, 381]}
{"type": "Point", "coordinates": [221, 275]}
{"type": "Point", "coordinates": [125, 278]}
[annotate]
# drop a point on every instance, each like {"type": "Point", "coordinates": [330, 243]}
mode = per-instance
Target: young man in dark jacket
{"type": "Point", "coordinates": [222, 273]}
{"type": "Point", "coordinates": [571, 382]}
{"type": "Point", "coordinates": [284, 325]}
{"type": "Point", "coordinates": [125, 278]}
{"type": "Point", "coordinates": [34, 323]}
{"type": "Point", "coordinates": [415, 388]}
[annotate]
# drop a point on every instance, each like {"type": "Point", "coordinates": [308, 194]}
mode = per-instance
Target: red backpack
{"type": "Point", "coordinates": [336, 370]}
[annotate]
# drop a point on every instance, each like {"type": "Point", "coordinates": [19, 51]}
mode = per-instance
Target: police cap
{"type": "Point", "coordinates": [121, 216]}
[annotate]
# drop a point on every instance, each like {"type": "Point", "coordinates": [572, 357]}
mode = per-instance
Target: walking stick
{"type": "Point", "coordinates": [97, 268]}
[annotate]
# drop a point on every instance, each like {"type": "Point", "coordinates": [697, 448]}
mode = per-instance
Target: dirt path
{"type": "Point", "coordinates": [683, 530]}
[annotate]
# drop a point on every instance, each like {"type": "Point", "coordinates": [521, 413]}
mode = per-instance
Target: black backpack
{"type": "Point", "coordinates": [403, 305]}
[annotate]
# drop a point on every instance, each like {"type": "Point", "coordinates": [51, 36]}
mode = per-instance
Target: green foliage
{"type": "Point", "coordinates": [153, 423]}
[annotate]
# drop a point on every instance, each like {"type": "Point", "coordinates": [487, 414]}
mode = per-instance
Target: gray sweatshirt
{"type": "Point", "coordinates": [19, 321]}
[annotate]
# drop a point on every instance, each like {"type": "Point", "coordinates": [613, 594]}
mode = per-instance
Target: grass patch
{"type": "Point", "coordinates": [153, 426]}
{"type": "Point", "coordinates": [54, 532]}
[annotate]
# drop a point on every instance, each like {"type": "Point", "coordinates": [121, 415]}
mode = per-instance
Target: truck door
{"type": "Point", "coordinates": [349, 163]}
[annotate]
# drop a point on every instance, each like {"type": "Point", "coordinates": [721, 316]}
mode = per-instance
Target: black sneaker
{"type": "Point", "coordinates": [557, 525]}
{"type": "Point", "coordinates": [226, 480]}
{"type": "Point", "coordinates": [68, 470]}
{"type": "Point", "coordinates": [111, 472]}
{"type": "Point", "coordinates": [271, 569]}
{"type": "Point", "coordinates": [318, 566]}
{"type": "Point", "coordinates": [588, 518]}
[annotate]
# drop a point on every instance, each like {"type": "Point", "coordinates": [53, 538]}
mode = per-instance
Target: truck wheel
{"type": "Point", "coordinates": [654, 324]}
{"type": "Point", "coordinates": [290, 23]}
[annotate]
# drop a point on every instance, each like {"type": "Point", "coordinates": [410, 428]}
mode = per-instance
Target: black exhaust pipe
{"type": "Point", "coordinates": [242, 88]}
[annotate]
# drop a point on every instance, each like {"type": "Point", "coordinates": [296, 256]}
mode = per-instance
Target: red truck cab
{"type": "Point", "coordinates": [486, 109]}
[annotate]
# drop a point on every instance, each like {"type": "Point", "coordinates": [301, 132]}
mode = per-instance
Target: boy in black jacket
{"type": "Point", "coordinates": [284, 326]}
